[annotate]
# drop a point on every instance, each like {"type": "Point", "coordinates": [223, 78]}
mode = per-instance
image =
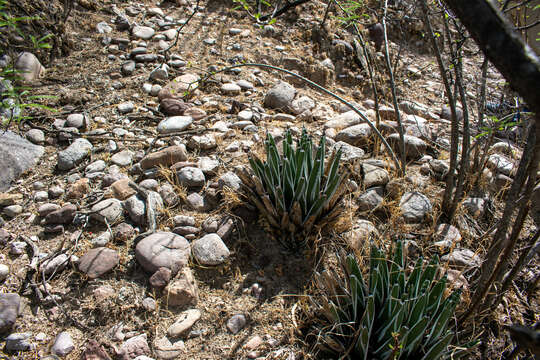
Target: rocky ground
{"type": "Point", "coordinates": [85, 271]}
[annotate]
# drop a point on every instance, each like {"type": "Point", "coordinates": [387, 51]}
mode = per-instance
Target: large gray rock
{"type": "Point", "coordinates": [108, 209]}
{"type": "Point", "coordinates": [163, 249]}
{"type": "Point", "coordinates": [63, 344]}
{"type": "Point", "coordinates": [9, 309]}
{"type": "Point", "coordinates": [414, 147]}
{"type": "Point", "coordinates": [280, 96]}
{"type": "Point", "coordinates": [18, 156]}
{"type": "Point", "coordinates": [136, 207]}
{"type": "Point", "coordinates": [349, 153]}
{"type": "Point", "coordinates": [190, 176]}
{"type": "Point", "coordinates": [74, 154]}
{"type": "Point", "coordinates": [414, 206]}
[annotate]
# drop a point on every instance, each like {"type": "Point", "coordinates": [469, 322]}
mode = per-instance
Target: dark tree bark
{"type": "Point", "coordinates": [503, 46]}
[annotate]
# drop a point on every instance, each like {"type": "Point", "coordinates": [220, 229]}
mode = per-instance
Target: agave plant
{"type": "Point", "coordinates": [393, 316]}
{"type": "Point", "coordinates": [296, 190]}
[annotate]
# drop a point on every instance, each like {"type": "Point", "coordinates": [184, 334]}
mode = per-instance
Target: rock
{"type": "Point", "coordinates": [74, 154]}
{"type": "Point", "coordinates": [302, 104]}
{"type": "Point", "coordinates": [133, 347]}
{"type": "Point", "coordinates": [122, 190]}
{"type": "Point", "coordinates": [197, 202]}
{"type": "Point", "coordinates": [29, 66]}
{"type": "Point", "coordinates": [179, 87]}
{"type": "Point", "coordinates": [108, 209]}
{"type": "Point", "coordinates": [190, 177]}
{"type": "Point", "coordinates": [203, 142]}
{"type": "Point", "coordinates": [236, 323]}
{"type": "Point", "coordinates": [446, 114]}
{"type": "Point", "coordinates": [446, 236]}
{"type": "Point", "coordinates": [94, 351]}
{"type": "Point", "coordinates": [160, 278]}
{"type": "Point", "coordinates": [149, 304]}
{"type": "Point", "coordinates": [500, 164]}
{"type": "Point", "coordinates": [280, 96]}
{"type": "Point", "coordinates": [98, 261]}
{"type": "Point", "coordinates": [230, 180]}
{"type": "Point", "coordinates": [165, 157]}
{"type": "Point", "coordinates": [210, 250]}
{"type": "Point", "coordinates": [414, 207]}
{"type": "Point", "coordinates": [230, 89]}
{"type": "Point", "coordinates": [143, 32]}
{"type": "Point", "coordinates": [19, 342]}
{"type": "Point", "coordinates": [19, 155]}
{"type": "Point", "coordinates": [462, 258]}
{"type": "Point", "coordinates": [102, 239]}
{"type": "Point", "coordinates": [126, 107]}
{"type": "Point", "coordinates": [63, 344]}
{"type": "Point", "coordinates": [184, 220]}
{"type": "Point", "coordinates": [374, 176]}
{"type": "Point", "coordinates": [363, 232]}
{"type": "Point", "coordinates": [78, 189]}
{"type": "Point", "coordinates": [103, 28]}
{"type": "Point", "coordinates": [168, 194]}
{"type": "Point", "coordinates": [356, 135]}
{"type": "Point", "coordinates": [475, 206]}
{"type": "Point", "coordinates": [183, 290]}
{"type": "Point", "coordinates": [349, 153]}
{"type": "Point", "coordinates": [10, 199]}
{"type": "Point", "coordinates": [414, 147]}
{"type": "Point", "coordinates": [56, 191]}
{"type": "Point", "coordinates": [208, 166]}
{"type": "Point", "coordinates": [136, 206]}
{"type": "Point", "coordinates": [163, 249]}
{"type": "Point", "coordinates": [166, 349]}
{"type": "Point", "coordinates": [36, 136]}
{"type": "Point", "coordinates": [77, 121]}
{"type": "Point", "coordinates": [12, 210]}
{"type": "Point", "coordinates": [17, 247]}
{"type": "Point", "coordinates": [4, 272]}
{"type": "Point", "coordinates": [226, 229]}
{"type": "Point", "coordinates": [54, 265]}
{"type": "Point", "coordinates": [160, 73]}
{"type": "Point", "coordinates": [174, 124]}
{"type": "Point", "coordinates": [5, 236]}
{"type": "Point", "coordinates": [184, 322]}
{"type": "Point", "coordinates": [123, 232]}
{"type": "Point", "coordinates": [64, 215]}
{"type": "Point", "coordinates": [343, 121]}
{"type": "Point", "coordinates": [173, 107]}
{"type": "Point", "coordinates": [122, 158]}
{"type": "Point", "coordinates": [371, 199]}
{"type": "Point", "coordinates": [128, 68]}
{"type": "Point", "coordinates": [9, 310]}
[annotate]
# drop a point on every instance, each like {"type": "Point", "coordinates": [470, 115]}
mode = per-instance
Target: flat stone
{"type": "Point", "coordinates": [9, 310]}
{"type": "Point", "coordinates": [163, 249]}
{"type": "Point", "coordinates": [414, 147]}
{"type": "Point", "coordinates": [19, 155]}
{"type": "Point", "coordinates": [370, 200]}
{"type": "Point", "coordinates": [160, 278]}
{"type": "Point", "coordinates": [191, 177]}
{"type": "Point", "coordinates": [230, 180]}
{"type": "Point", "coordinates": [122, 158]}
{"type": "Point", "coordinates": [210, 250]}
{"type": "Point", "coordinates": [208, 165]}
{"type": "Point", "coordinates": [165, 157]}
{"type": "Point", "coordinates": [202, 142]}
{"type": "Point", "coordinates": [500, 164]}
{"type": "Point", "coordinates": [122, 190]}
{"type": "Point", "coordinates": [174, 124]}
{"type": "Point", "coordinates": [446, 236]}
{"type": "Point", "coordinates": [64, 215]}
{"type": "Point", "coordinates": [184, 322]}
{"type": "Point", "coordinates": [98, 261]}
{"type": "Point", "coordinates": [54, 265]}
{"type": "Point", "coordinates": [462, 258]}
{"type": "Point", "coordinates": [76, 120]}
{"type": "Point", "coordinates": [231, 89]}
{"type": "Point", "coordinates": [344, 120]}
{"type": "Point", "coordinates": [108, 209]}
{"type": "Point", "coordinates": [126, 107]}
{"type": "Point", "coordinates": [179, 87]}
{"type": "Point", "coordinates": [74, 154]}
{"type": "Point", "coordinates": [349, 153]}
{"type": "Point", "coordinates": [36, 136]}
{"type": "Point", "coordinates": [19, 342]}
{"type": "Point", "coordinates": [143, 32]}
{"type": "Point", "coordinates": [166, 349]}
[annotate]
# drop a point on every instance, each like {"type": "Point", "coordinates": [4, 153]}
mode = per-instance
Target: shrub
{"type": "Point", "coordinates": [393, 316]}
{"type": "Point", "coordinates": [296, 190]}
